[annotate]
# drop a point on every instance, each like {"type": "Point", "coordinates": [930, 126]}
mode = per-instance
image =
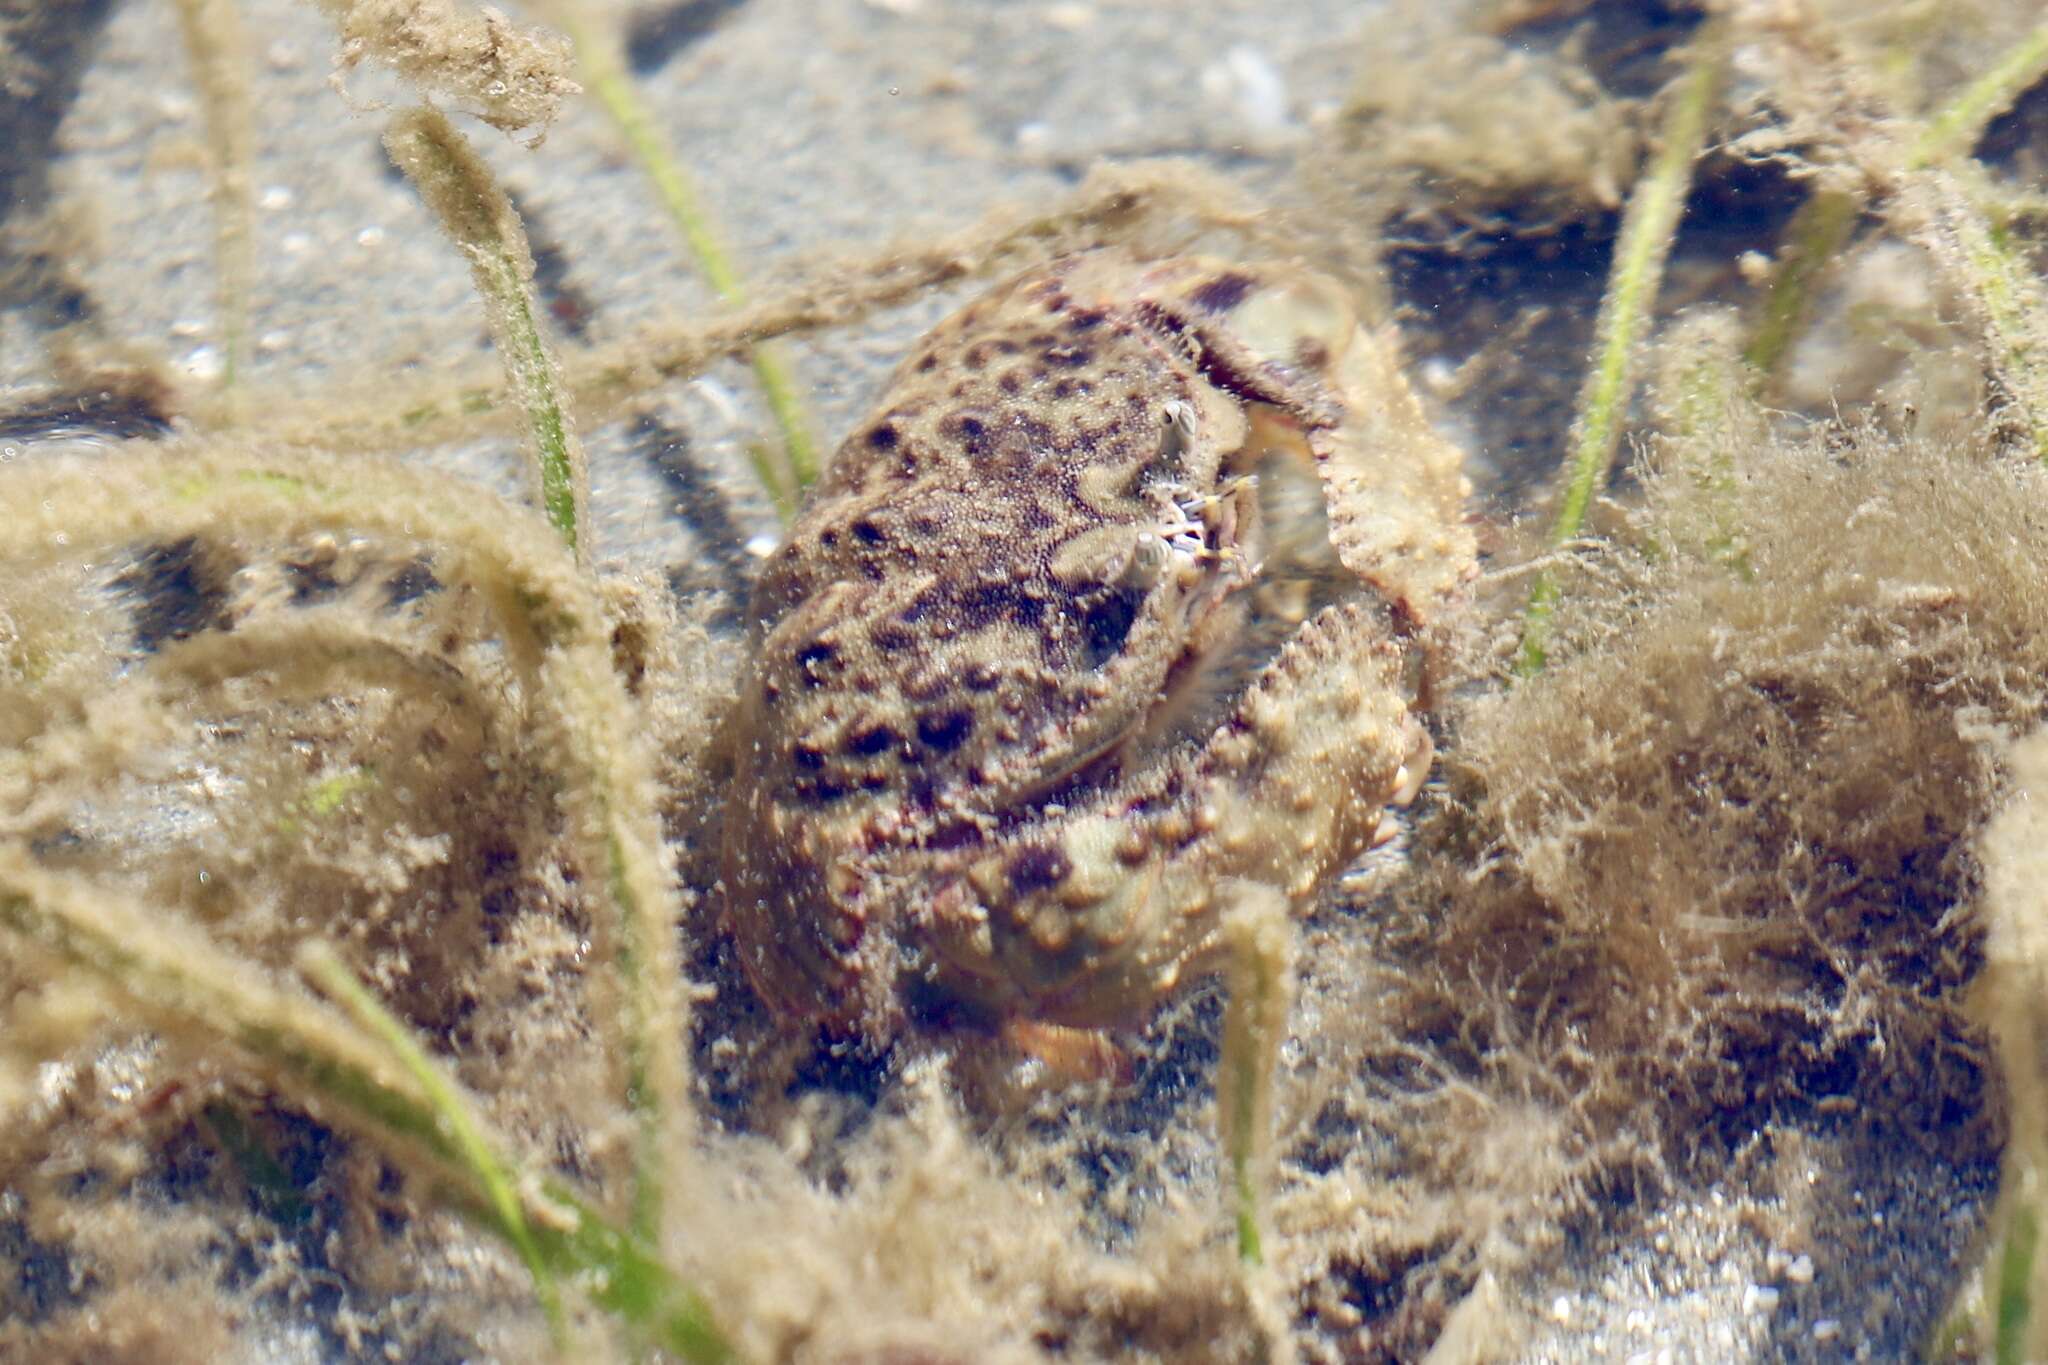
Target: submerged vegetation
{"type": "Point", "coordinates": [356, 826]}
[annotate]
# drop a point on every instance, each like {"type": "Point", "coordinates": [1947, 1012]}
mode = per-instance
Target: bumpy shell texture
{"type": "Point", "coordinates": [1115, 599]}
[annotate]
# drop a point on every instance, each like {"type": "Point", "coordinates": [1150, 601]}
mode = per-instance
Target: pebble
{"type": "Point", "coordinates": [205, 363]}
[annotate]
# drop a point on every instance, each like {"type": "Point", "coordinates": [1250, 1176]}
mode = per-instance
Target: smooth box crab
{"type": "Point", "coordinates": [1119, 595]}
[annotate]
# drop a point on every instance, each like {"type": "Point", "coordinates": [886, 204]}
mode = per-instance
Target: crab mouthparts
{"type": "Point", "coordinates": [1259, 561]}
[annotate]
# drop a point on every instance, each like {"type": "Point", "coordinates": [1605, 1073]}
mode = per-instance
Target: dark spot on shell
{"type": "Point", "coordinates": [808, 756]}
{"type": "Point", "coordinates": [945, 731]}
{"type": "Point", "coordinates": [873, 741]}
{"type": "Point", "coordinates": [867, 533]}
{"type": "Point", "coordinates": [1223, 293]}
{"type": "Point", "coordinates": [971, 432]}
{"type": "Point", "coordinates": [823, 791]}
{"type": "Point", "coordinates": [980, 677]}
{"type": "Point", "coordinates": [1011, 382]}
{"type": "Point", "coordinates": [813, 661]}
{"type": "Point", "coordinates": [1037, 867]}
{"type": "Point", "coordinates": [1073, 357]}
{"type": "Point", "coordinates": [985, 604]}
{"type": "Point", "coordinates": [828, 538]}
{"type": "Point", "coordinates": [954, 834]}
{"type": "Point", "coordinates": [1057, 302]}
{"type": "Point", "coordinates": [928, 364]}
{"type": "Point", "coordinates": [1086, 320]}
{"type": "Point", "coordinates": [892, 637]}
{"type": "Point", "coordinates": [1311, 354]}
{"type": "Point", "coordinates": [882, 437]}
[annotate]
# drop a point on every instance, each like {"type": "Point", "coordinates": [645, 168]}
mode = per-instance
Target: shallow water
{"type": "Point", "coordinates": [832, 129]}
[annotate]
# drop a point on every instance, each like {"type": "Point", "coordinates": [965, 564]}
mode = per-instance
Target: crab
{"type": "Point", "coordinates": [1122, 596]}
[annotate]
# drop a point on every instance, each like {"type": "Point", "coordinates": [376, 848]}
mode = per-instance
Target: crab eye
{"type": "Point", "coordinates": [1148, 563]}
{"type": "Point", "coordinates": [1177, 433]}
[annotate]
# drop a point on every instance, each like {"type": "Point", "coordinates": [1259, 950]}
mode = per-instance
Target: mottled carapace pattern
{"type": "Point", "coordinates": [1111, 601]}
